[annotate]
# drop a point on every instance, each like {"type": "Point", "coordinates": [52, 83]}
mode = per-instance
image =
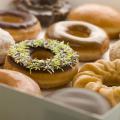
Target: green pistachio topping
{"type": "Point", "coordinates": [63, 55]}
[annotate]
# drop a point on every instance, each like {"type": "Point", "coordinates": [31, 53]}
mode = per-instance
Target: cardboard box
{"type": "Point", "coordinates": [16, 105]}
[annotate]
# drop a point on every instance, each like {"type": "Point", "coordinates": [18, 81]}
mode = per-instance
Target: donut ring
{"type": "Point", "coordinates": [20, 25]}
{"type": "Point", "coordinates": [93, 40]}
{"type": "Point", "coordinates": [99, 15]}
{"type": "Point", "coordinates": [101, 76]}
{"type": "Point", "coordinates": [19, 81]}
{"type": "Point", "coordinates": [81, 99]}
{"type": "Point", "coordinates": [47, 12]}
{"type": "Point", "coordinates": [55, 71]}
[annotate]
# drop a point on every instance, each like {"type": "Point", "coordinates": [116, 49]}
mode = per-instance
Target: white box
{"type": "Point", "coordinates": [16, 105]}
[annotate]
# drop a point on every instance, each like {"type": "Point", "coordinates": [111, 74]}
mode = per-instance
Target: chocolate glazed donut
{"type": "Point", "coordinates": [88, 40]}
{"type": "Point", "coordinates": [47, 11]}
{"type": "Point", "coordinates": [50, 63]}
{"type": "Point", "coordinates": [20, 25]}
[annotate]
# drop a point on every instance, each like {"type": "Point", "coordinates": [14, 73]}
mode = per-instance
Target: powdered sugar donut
{"type": "Point", "coordinates": [6, 40]}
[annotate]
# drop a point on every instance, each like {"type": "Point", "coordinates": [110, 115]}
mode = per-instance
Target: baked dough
{"type": "Point", "coordinates": [19, 82]}
{"type": "Point", "coordinates": [21, 25]}
{"type": "Point", "coordinates": [115, 51]}
{"type": "Point", "coordinates": [103, 77]}
{"type": "Point", "coordinates": [88, 40]}
{"type": "Point", "coordinates": [101, 15]}
{"type": "Point", "coordinates": [50, 63]}
{"type": "Point", "coordinates": [6, 40]}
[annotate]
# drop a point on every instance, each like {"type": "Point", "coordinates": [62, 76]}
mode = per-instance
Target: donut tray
{"type": "Point", "coordinates": [15, 105]}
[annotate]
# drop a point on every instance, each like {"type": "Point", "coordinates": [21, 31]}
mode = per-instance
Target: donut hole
{"type": "Point", "coordinates": [41, 54]}
{"type": "Point", "coordinates": [11, 18]}
{"type": "Point", "coordinates": [79, 30]}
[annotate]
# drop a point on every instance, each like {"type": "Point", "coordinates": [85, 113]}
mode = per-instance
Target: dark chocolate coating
{"type": "Point", "coordinates": [46, 11]}
{"type": "Point", "coordinates": [82, 99]}
{"type": "Point", "coordinates": [47, 2]}
{"type": "Point", "coordinates": [28, 20]}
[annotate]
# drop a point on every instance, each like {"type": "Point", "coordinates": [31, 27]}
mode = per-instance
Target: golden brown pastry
{"type": "Point", "coordinates": [100, 15]}
{"type": "Point", "coordinates": [47, 11]}
{"type": "Point", "coordinates": [88, 40]}
{"type": "Point", "coordinates": [19, 81]}
{"type": "Point", "coordinates": [115, 51]}
{"type": "Point", "coordinates": [50, 63]}
{"type": "Point", "coordinates": [102, 77]}
{"type": "Point", "coordinates": [20, 25]}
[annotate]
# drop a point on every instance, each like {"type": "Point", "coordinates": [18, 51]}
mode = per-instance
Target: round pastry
{"type": "Point", "coordinates": [115, 51]}
{"type": "Point", "coordinates": [83, 37]}
{"type": "Point", "coordinates": [47, 11]}
{"type": "Point", "coordinates": [19, 81]}
{"type": "Point", "coordinates": [50, 63]}
{"type": "Point", "coordinates": [20, 25]}
{"type": "Point", "coordinates": [100, 15]}
{"type": "Point", "coordinates": [6, 41]}
{"type": "Point", "coordinates": [101, 76]}
{"type": "Point", "coordinates": [81, 99]}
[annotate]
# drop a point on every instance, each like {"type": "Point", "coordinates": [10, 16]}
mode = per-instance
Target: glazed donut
{"type": "Point", "coordinates": [20, 25]}
{"type": "Point", "coordinates": [47, 11]}
{"type": "Point", "coordinates": [19, 81]}
{"type": "Point", "coordinates": [50, 63]}
{"type": "Point", "coordinates": [83, 37]}
{"type": "Point", "coordinates": [6, 41]}
{"type": "Point", "coordinates": [100, 15]}
{"type": "Point", "coordinates": [101, 76]}
{"type": "Point", "coordinates": [115, 51]}
{"type": "Point", "coordinates": [81, 99]}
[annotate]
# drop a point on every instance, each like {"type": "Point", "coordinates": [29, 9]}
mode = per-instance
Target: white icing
{"type": "Point", "coordinates": [6, 40]}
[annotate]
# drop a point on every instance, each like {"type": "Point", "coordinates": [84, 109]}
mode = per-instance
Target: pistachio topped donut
{"type": "Point", "coordinates": [88, 40]}
{"type": "Point", "coordinates": [51, 63]}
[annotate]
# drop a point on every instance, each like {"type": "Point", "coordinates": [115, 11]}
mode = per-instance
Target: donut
{"type": "Point", "coordinates": [101, 15]}
{"type": "Point", "coordinates": [81, 99]}
{"type": "Point", "coordinates": [19, 81]}
{"type": "Point", "coordinates": [50, 63]}
{"type": "Point", "coordinates": [20, 25]}
{"type": "Point", "coordinates": [114, 52]}
{"type": "Point", "coordinates": [47, 11]}
{"type": "Point", "coordinates": [83, 37]}
{"type": "Point", "coordinates": [102, 77]}
{"type": "Point", "coordinates": [6, 41]}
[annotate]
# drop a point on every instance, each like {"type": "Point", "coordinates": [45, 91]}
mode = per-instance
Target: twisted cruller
{"type": "Point", "coordinates": [101, 76]}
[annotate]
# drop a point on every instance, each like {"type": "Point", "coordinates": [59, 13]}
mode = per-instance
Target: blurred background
{"type": "Point", "coordinates": [114, 3]}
